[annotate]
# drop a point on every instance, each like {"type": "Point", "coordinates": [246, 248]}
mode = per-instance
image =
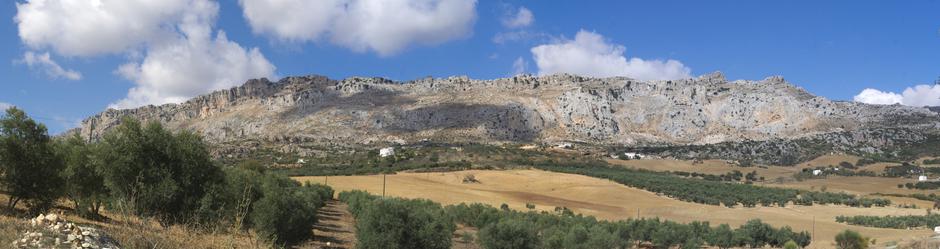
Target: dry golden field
{"type": "Point", "coordinates": [858, 185]}
{"type": "Point", "coordinates": [608, 200]}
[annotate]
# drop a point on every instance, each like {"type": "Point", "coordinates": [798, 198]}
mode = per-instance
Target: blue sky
{"type": "Point", "coordinates": [831, 48]}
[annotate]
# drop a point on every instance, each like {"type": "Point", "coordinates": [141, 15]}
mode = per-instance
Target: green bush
{"type": "Point", "coordinates": [849, 239]}
{"type": "Point", "coordinates": [287, 211]}
{"type": "Point", "coordinates": [509, 234]}
{"type": "Point", "coordinates": [29, 167]}
{"type": "Point", "coordinates": [398, 223]}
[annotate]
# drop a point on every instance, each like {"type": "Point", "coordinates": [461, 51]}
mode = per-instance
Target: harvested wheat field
{"type": "Point", "coordinates": [609, 200]}
{"type": "Point", "coordinates": [714, 167]}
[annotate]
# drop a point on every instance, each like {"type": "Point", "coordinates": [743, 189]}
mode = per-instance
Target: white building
{"type": "Point", "coordinates": [922, 178]}
{"type": "Point", "coordinates": [301, 161]}
{"type": "Point", "coordinates": [385, 152]}
{"type": "Point", "coordinates": [564, 146]}
{"type": "Point", "coordinates": [633, 155]}
{"type": "Point", "coordinates": [817, 172]}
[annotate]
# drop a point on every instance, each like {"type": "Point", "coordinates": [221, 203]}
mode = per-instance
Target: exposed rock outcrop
{"type": "Point", "coordinates": [616, 111]}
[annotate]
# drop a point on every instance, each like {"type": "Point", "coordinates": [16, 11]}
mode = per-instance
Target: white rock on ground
{"type": "Point", "coordinates": [51, 231]}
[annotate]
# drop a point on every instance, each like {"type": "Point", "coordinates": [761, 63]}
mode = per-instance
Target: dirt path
{"type": "Point", "coordinates": [335, 227]}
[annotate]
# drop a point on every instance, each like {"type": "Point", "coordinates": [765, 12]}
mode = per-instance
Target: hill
{"type": "Point", "coordinates": [299, 114]}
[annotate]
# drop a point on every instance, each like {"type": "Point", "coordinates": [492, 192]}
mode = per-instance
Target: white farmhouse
{"type": "Point", "coordinates": [817, 172]}
{"type": "Point", "coordinates": [633, 155]}
{"type": "Point", "coordinates": [386, 152]}
{"type": "Point", "coordinates": [564, 146]}
{"type": "Point", "coordinates": [301, 161]}
{"type": "Point", "coordinates": [922, 178]}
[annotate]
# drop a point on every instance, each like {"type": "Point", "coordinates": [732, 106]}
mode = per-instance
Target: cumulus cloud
{"type": "Point", "coordinates": [87, 28]}
{"type": "Point", "coordinates": [919, 95]}
{"type": "Point", "coordinates": [519, 66]}
{"type": "Point", "coordinates": [522, 18]}
{"type": "Point", "coordinates": [173, 52]}
{"type": "Point", "coordinates": [589, 54]}
{"type": "Point", "coordinates": [5, 106]}
{"type": "Point", "coordinates": [44, 63]}
{"type": "Point", "coordinates": [383, 26]}
{"type": "Point", "coordinates": [175, 72]}
{"type": "Point", "coordinates": [195, 62]}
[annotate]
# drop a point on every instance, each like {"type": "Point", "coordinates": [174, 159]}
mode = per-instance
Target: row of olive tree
{"type": "Point", "coordinates": [704, 191]}
{"type": "Point", "coordinates": [400, 223]}
{"type": "Point", "coordinates": [149, 171]}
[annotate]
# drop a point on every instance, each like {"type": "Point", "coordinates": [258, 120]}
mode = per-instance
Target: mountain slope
{"type": "Point", "coordinates": [613, 111]}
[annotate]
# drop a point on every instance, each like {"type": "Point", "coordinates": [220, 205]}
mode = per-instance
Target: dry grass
{"type": "Point", "coordinates": [608, 200]}
{"type": "Point", "coordinates": [133, 232]}
{"type": "Point", "coordinates": [10, 229]}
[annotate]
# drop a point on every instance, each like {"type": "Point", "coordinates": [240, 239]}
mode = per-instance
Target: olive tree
{"type": "Point", "coordinates": [151, 171]}
{"type": "Point", "coordinates": [29, 168]}
{"type": "Point", "coordinates": [84, 185]}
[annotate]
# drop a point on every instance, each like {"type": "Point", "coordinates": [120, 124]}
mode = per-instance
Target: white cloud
{"type": "Point", "coordinates": [874, 96]}
{"type": "Point", "coordinates": [48, 66]}
{"type": "Point", "coordinates": [383, 26]}
{"type": "Point", "coordinates": [93, 27]}
{"type": "Point", "coordinates": [195, 63]}
{"type": "Point", "coordinates": [173, 52]}
{"type": "Point", "coordinates": [919, 95]}
{"type": "Point", "coordinates": [5, 106]}
{"type": "Point", "coordinates": [522, 18]}
{"type": "Point", "coordinates": [519, 66]}
{"type": "Point", "coordinates": [589, 54]}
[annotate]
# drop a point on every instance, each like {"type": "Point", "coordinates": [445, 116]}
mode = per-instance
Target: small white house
{"type": "Point", "coordinates": [817, 172]}
{"type": "Point", "coordinates": [564, 146]}
{"type": "Point", "coordinates": [922, 178]}
{"type": "Point", "coordinates": [936, 229]}
{"type": "Point", "coordinates": [386, 152]}
{"type": "Point", "coordinates": [633, 155]}
{"type": "Point", "coordinates": [301, 161]}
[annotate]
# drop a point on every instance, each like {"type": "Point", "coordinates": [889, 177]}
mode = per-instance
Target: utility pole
{"type": "Point", "coordinates": [326, 180]}
{"type": "Point", "coordinates": [814, 233]}
{"type": "Point", "coordinates": [383, 185]}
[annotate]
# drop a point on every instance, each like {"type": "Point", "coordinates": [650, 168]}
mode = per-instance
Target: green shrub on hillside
{"type": "Point", "coordinates": [849, 239]}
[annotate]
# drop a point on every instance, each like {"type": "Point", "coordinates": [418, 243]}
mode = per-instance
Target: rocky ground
{"type": "Point", "coordinates": [50, 231]}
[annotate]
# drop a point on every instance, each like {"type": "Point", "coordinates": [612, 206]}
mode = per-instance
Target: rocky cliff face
{"type": "Point", "coordinates": [616, 111]}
